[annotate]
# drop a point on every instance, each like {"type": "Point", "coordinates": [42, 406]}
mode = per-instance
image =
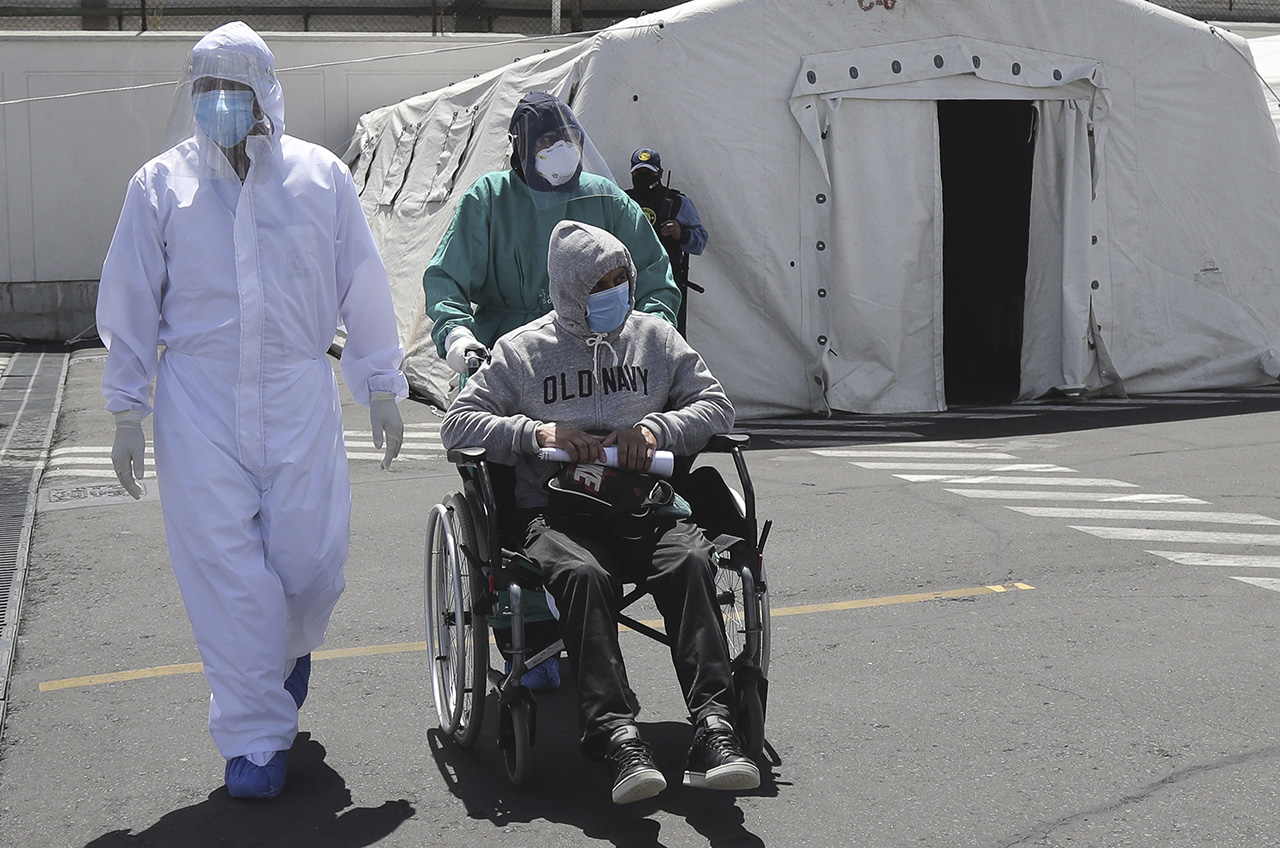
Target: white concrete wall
{"type": "Point", "coordinates": [64, 162]}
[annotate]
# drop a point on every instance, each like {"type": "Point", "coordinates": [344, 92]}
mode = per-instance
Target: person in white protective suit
{"type": "Point", "coordinates": [240, 250]}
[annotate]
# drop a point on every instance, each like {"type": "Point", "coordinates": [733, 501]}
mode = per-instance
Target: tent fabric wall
{"type": "Point", "coordinates": [881, 312]}
{"type": "Point", "coordinates": [1056, 350]}
{"type": "Point", "coordinates": [834, 303]}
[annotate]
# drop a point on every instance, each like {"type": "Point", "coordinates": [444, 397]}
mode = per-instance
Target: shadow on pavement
{"type": "Point", "coordinates": [568, 789]}
{"type": "Point", "coordinates": [313, 811]}
{"type": "Point", "coordinates": [1024, 418]}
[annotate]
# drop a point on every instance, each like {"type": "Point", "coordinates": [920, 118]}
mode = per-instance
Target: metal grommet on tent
{"type": "Point", "coordinates": [822, 245]}
{"type": "Point", "coordinates": [1017, 69]}
{"type": "Point", "coordinates": [1094, 285]}
{"type": "Point", "coordinates": [822, 198]}
{"type": "Point", "coordinates": [897, 66]}
{"type": "Point", "coordinates": [1095, 240]}
{"type": "Point", "coordinates": [822, 292]}
{"type": "Point", "coordinates": [977, 62]}
{"type": "Point", "coordinates": [853, 73]}
{"type": "Point", "coordinates": [937, 61]}
{"type": "Point", "coordinates": [811, 77]}
{"type": "Point", "coordinates": [1057, 74]}
{"type": "Point", "coordinates": [822, 340]}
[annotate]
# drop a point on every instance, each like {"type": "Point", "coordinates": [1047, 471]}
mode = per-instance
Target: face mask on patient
{"type": "Point", "coordinates": [606, 310]}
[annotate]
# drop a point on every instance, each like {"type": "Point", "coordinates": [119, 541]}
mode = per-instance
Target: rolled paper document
{"type": "Point", "coordinates": [664, 462]}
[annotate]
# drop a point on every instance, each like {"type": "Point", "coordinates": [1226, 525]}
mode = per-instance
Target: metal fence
{"type": "Point", "coordinates": [1263, 11]}
{"type": "Point", "coordinates": [530, 17]}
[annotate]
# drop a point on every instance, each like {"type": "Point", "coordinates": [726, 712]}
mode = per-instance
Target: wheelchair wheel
{"type": "Point", "coordinates": [516, 744]}
{"type": "Point", "coordinates": [741, 613]}
{"type": "Point", "coordinates": [457, 637]}
{"type": "Point", "coordinates": [766, 627]}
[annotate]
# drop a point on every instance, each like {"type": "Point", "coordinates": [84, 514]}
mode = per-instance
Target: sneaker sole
{"type": "Point", "coordinates": [639, 786]}
{"type": "Point", "coordinates": [733, 777]}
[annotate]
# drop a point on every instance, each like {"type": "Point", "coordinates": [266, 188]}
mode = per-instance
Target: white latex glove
{"type": "Point", "coordinates": [458, 344]}
{"type": "Point", "coordinates": [128, 450]}
{"type": "Point", "coordinates": [384, 416]}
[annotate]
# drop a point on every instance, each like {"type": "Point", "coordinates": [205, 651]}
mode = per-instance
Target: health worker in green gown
{"type": "Point", "coordinates": [494, 254]}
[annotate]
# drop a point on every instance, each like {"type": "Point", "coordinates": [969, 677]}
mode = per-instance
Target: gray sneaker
{"type": "Point", "coordinates": [716, 760]}
{"type": "Point", "coordinates": [635, 777]}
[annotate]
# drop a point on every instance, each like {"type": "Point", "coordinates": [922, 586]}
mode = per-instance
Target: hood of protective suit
{"type": "Point", "coordinates": [235, 52]}
{"type": "Point", "coordinates": [577, 257]}
{"type": "Point", "coordinates": [538, 113]}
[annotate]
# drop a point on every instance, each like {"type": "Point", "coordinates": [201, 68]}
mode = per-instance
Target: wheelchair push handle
{"type": "Point", "coordinates": [726, 442]}
{"type": "Point", "coordinates": [476, 357]}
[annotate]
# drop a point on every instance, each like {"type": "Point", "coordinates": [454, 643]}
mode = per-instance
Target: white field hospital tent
{"type": "Point", "coordinates": [910, 202]}
{"type": "Point", "coordinates": [1266, 54]}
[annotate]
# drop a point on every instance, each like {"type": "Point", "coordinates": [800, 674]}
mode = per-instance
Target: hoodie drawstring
{"type": "Point", "coordinates": [594, 342]}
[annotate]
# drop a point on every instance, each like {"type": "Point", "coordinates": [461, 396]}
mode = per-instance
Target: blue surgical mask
{"type": "Point", "coordinates": [225, 116]}
{"type": "Point", "coordinates": [606, 310]}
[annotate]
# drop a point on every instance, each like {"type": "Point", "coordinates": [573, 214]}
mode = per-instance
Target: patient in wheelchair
{"type": "Point", "coordinates": [593, 374]}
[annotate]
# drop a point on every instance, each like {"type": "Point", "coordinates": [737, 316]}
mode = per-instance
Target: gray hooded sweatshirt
{"type": "Point", "coordinates": [555, 369]}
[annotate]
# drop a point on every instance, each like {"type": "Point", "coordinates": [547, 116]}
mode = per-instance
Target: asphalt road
{"type": "Point", "coordinates": [1058, 686]}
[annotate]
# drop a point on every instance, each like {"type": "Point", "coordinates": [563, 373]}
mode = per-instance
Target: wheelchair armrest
{"type": "Point", "coordinates": [466, 457]}
{"type": "Point", "coordinates": [726, 442]}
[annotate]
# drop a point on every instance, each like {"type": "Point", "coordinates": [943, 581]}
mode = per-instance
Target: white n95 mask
{"type": "Point", "coordinates": [558, 163]}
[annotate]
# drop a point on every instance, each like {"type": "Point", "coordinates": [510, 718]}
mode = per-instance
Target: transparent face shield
{"type": "Point", "coordinates": [228, 103]}
{"type": "Point", "coordinates": [553, 152]}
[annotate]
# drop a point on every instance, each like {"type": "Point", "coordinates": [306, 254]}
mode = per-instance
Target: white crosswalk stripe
{"type": "Point", "coordinates": [421, 444]}
{"type": "Point", "coordinates": [1220, 560]}
{"type": "Point", "coordinates": [1100, 497]}
{"type": "Point", "coordinates": [87, 473]}
{"type": "Point", "coordinates": [1022, 481]}
{"type": "Point", "coordinates": [1264, 582]}
{"type": "Point", "coordinates": [1146, 515]}
{"type": "Point", "coordinates": [1161, 534]}
{"type": "Point", "coordinates": [966, 466]}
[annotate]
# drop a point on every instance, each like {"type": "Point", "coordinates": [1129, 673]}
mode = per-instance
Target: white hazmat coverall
{"type": "Point", "coordinates": [245, 285]}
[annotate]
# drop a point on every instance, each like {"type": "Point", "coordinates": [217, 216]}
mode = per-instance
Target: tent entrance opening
{"type": "Point", "coordinates": [985, 152]}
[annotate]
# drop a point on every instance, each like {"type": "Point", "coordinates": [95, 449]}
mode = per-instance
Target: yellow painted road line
{"type": "Point", "coordinates": [118, 676]}
{"type": "Point", "coordinates": [195, 668]}
{"type": "Point", "coordinates": [408, 647]}
{"type": "Point", "coordinates": [900, 599]}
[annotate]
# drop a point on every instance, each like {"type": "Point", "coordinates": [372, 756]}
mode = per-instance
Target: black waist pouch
{"type": "Point", "coordinates": [625, 503]}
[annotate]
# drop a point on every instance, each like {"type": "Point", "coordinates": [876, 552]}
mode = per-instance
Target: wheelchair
{"type": "Point", "coordinates": [473, 584]}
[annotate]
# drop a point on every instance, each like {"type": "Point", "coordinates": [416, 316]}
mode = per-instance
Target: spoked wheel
{"type": "Point", "coordinates": [745, 611]}
{"type": "Point", "coordinates": [457, 637]}
{"type": "Point", "coordinates": [516, 740]}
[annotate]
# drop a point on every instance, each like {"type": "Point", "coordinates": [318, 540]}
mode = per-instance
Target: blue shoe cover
{"type": "Point", "coordinates": [245, 780]}
{"type": "Point", "coordinates": [543, 677]}
{"type": "Point", "coordinates": [296, 683]}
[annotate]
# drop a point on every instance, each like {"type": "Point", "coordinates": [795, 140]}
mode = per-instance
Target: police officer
{"type": "Point", "coordinates": [674, 218]}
